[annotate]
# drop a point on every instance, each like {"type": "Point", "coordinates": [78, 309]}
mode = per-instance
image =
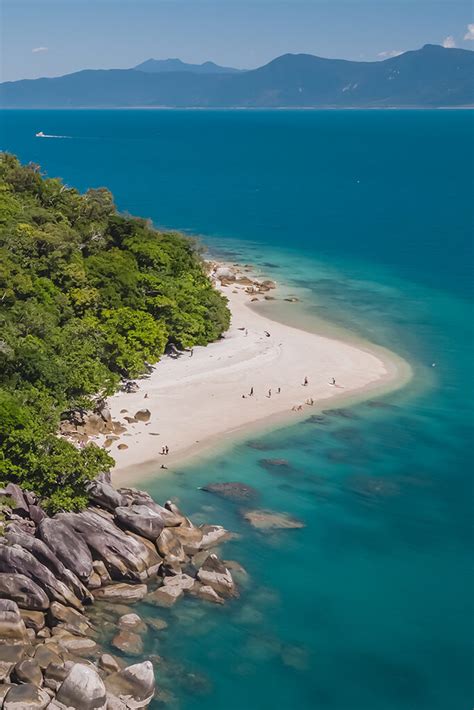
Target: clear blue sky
{"type": "Point", "coordinates": [54, 37]}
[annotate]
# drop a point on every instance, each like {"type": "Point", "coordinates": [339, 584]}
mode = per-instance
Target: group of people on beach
{"type": "Point", "coordinates": [278, 391]}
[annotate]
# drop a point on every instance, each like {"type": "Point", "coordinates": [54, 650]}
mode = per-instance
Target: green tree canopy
{"type": "Point", "coordinates": [87, 296]}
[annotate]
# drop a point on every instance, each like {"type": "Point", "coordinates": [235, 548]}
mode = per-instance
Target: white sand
{"type": "Point", "coordinates": [196, 402]}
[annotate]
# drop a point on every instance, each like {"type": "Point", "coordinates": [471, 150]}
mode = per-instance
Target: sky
{"type": "Point", "coordinates": [55, 37]}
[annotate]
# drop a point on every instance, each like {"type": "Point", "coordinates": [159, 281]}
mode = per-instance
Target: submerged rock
{"type": "Point", "coordinates": [342, 413]}
{"type": "Point", "coordinates": [275, 465]}
{"type": "Point", "coordinates": [128, 642]}
{"type": "Point", "coordinates": [231, 490]}
{"type": "Point", "coordinates": [269, 520]}
{"type": "Point", "coordinates": [316, 419]}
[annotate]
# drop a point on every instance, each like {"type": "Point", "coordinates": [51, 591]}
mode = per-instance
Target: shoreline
{"type": "Point", "coordinates": [196, 402]}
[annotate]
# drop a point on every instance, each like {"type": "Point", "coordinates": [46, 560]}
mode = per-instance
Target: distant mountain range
{"type": "Point", "coordinates": [429, 77]}
{"type": "Point", "coordinates": [159, 66]}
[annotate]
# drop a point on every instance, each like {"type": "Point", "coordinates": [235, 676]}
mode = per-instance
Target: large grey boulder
{"type": "Point", "coordinates": [26, 697]}
{"type": "Point", "coordinates": [170, 548]}
{"type": "Point", "coordinates": [123, 555]}
{"type": "Point", "coordinates": [141, 519]}
{"type": "Point", "coordinates": [12, 627]}
{"type": "Point", "coordinates": [46, 556]}
{"type": "Point", "coordinates": [212, 535]}
{"type": "Point", "coordinates": [14, 558]}
{"type": "Point", "coordinates": [134, 685]}
{"type": "Point", "coordinates": [104, 495]}
{"type": "Point", "coordinates": [19, 504]}
{"type": "Point", "coordinates": [191, 538]}
{"type": "Point", "coordinates": [22, 590]}
{"type": "Point", "coordinates": [28, 671]}
{"type": "Point", "coordinates": [68, 547]}
{"type": "Point", "coordinates": [83, 689]}
{"type": "Point", "coordinates": [132, 496]}
{"type": "Point", "coordinates": [70, 619]}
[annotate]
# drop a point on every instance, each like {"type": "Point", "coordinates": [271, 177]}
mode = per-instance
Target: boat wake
{"type": "Point", "coordinates": [47, 135]}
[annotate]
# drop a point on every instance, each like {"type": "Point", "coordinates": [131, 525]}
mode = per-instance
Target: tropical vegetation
{"type": "Point", "coordinates": [87, 297]}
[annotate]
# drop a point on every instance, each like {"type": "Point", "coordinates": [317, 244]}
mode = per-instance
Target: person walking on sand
{"type": "Point", "coordinates": [305, 382]}
{"type": "Point", "coordinates": [279, 390]}
{"type": "Point", "coordinates": [269, 393]}
{"type": "Point", "coordinates": [251, 392]}
{"type": "Point", "coordinates": [333, 381]}
{"type": "Point", "coordinates": [191, 352]}
{"type": "Point", "coordinates": [167, 450]}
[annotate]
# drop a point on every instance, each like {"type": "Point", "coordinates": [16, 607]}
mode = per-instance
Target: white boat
{"type": "Point", "coordinates": [40, 134]}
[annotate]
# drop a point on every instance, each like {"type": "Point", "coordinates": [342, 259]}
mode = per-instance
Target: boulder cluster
{"type": "Point", "coordinates": [232, 276]}
{"type": "Point", "coordinates": [123, 548]}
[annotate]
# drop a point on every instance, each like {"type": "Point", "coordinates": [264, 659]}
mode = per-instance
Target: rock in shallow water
{"type": "Point", "coordinates": [122, 592]}
{"type": "Point", "coordinates": [215, 574]}
{"type": "Point", "coordinates": [135, 685]}
{"type": "Point", "coordinates": [231, 490]}
{"type": "Point", "coordinates": [128, 642]}
{"type": "Point", "coordinates": [269, 520]}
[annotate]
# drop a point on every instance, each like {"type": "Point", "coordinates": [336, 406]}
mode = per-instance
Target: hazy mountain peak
{"type": "Point", "coordinates": [160, 66]}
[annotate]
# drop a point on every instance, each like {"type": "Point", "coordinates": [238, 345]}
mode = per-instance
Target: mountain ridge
{"type": "Point", "coordinates": [156, 66]}
{"type": "Point", "coordinates": [428, 77]}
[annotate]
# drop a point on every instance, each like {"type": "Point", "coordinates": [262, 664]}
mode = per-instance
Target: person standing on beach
{"type": "Point", "coordinates": [251, 392]}
{"type": "Point", "coordinates": [333, 381]}
{"type": "Point", "coordinates": [305, 382]}
{"type": "Point", "coordinates": [167, 450]}
{"type": "Point", "coordinates": [269, 393]}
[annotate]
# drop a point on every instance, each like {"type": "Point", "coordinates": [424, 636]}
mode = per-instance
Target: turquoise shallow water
{"type": "Point", "coordinates": [368, 216]}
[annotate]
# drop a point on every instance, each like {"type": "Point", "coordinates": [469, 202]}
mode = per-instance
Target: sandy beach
{"type": "Point", "coordinates": [202, 400]}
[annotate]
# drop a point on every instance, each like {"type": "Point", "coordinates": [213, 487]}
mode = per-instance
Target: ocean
{"type": "Point", "coordinates": [368, 217]}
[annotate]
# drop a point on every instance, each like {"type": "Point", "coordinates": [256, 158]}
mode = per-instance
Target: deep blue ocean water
{"type": "Point", "coordinates": [368, 215]}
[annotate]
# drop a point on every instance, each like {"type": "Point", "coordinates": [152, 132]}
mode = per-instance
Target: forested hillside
{"type": "Point", "coordinates": [87, 296]}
